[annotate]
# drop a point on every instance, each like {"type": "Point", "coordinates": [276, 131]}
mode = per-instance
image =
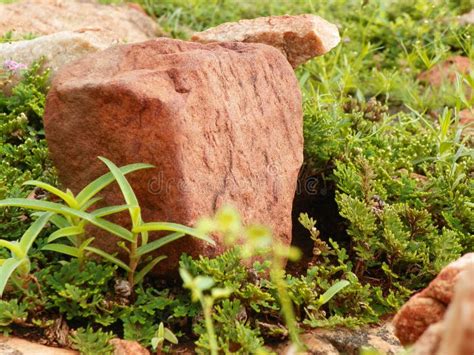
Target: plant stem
{"type": "Point", "coordinates": [133, 263]}
{"type": "Point", "coordinates": [276, 276]}
{"type": "Point", "coordinates": [206, 303]}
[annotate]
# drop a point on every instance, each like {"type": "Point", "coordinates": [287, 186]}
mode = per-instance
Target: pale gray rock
{"type": "Point", "coordinates": [122, 23]}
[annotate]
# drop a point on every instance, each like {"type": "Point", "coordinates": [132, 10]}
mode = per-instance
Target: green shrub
{"type": "Point", "coordinates": [92, 342]}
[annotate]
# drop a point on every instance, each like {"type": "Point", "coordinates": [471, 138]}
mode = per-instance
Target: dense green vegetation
{"type": "Point", "coordinates": [388, 153]}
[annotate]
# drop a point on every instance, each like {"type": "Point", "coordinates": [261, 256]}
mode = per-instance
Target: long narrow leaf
{"type": "Point", "coordinates": [63, 249]}
{"type": "Point", "coordinates": [109, 257]}
{"type": "Point", "coordinates": [158, 243]}
{"type": "Point", "coordinates": [32, 232]}
{"type": "Point", "coordinates": [70, 200]}
{"type": "Point", "coordinates": [58, 220]}
{"type": "Point", "coordinates": [147, 268]}
{"type": "Point", "coordinates": [85, 244]}
{"type": "Point", "coordinates": [127, 191]}
{"type": "Point", "coordinates": [172, 227]}
{"type": "Point", "coordinates": [89, 203]}
{"type": "Point", "coordinates": [102, 212]}
{"type": "Point", "coordinates": [6, 270]}
{"type": "Point", "coordinates": [100, 183]}
{"type": "Point", "coordinates": [65, 232]}
{"type": "Point", "coordinates": [332, 291]}
{"type": "Point", "coordinates": [67, 211]}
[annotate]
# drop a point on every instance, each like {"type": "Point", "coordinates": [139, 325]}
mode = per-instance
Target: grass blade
{"type": "Point", "coordinates": [32, 232]}
{"type": "Point", "coordinates": [58, 208]}
{"type": "Point", "coordinates": [102, 212]}
{"type": "Point", "coordinates": [158, 243]}
{"type": "Point", "coordinates": [127, 191]}
{"type": "Point", "coordinates": [63, 249]}
{"type": "Point", "coordinates": [12, 246]}
{"type": "Point", "coordinates": [100, 183]}
{"type": "Point", "coordinates": [59, 221]}
{"type": "Point", "coordinates": [109, 257]}
{"type": "Point", "coordinates": [147, 268]}
{"type": "Point", "coordinates": [172, 227]}
{"type": "Point", "coordinates": [6, 270]}
{"type": "Point", "coordinates": [65, 232]}
{"type": "Point", "coordinates": [89, 203]}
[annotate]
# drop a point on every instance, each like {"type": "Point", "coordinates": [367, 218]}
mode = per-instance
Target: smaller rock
{"type": "Point", "coordinates": [416, 316]}
{"type": "Point", "coordinates": [447, 70]}
{"type": "Point", "coordinates": [429, 306]}
{"type": "Point", "coordinates": [17, 346]}
{"type": "Point", "coordinates": [467, 18]}
{"type": "Point", "coordinates": [57, 49]}
{"type": "Point", "coordinates": [127, 347]}
{"type": "Point", "coordinates": [347, 341]}
{"type": "Point", "coordinates": [299, 38]}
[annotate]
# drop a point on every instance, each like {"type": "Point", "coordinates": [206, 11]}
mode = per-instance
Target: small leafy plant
{"type": "Point", "coordinates": [162, 335]}
{"type": "Point", "coordinates": [72, 219]}
{"type": "Point", "coordinates": [198, 285]}
{"type": "Point", "coordinates": [255, 240]}
{"type": "Point", "coordinates": [92, 342]}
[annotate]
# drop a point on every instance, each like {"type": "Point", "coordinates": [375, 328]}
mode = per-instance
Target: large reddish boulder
{"type": "Point", "coordinates": [222, 123]}
{"type": "Point", "coordinates": [429, 306]}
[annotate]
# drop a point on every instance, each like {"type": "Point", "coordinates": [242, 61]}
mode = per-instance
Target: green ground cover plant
{"type": "Point", "coordinates": [387, 151]}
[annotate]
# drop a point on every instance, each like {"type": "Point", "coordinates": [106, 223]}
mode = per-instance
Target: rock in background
{"type": "Point", "coordinates": [67, 30]}
{"type": "Point", "coordinates": [222, 123]}
{"type": "Point", "coordinates": [299, 38]}
{"type": "Point", "coordinates": [122, 24]}
{"type": "Point", "coordinates": [56, 49]}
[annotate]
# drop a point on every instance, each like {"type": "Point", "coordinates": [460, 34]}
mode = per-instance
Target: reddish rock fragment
{"type": "Point", "coordinates": [428, 307]}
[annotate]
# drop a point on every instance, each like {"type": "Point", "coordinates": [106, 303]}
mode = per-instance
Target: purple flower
{"type": "Point", "coordinates": [13, 66]}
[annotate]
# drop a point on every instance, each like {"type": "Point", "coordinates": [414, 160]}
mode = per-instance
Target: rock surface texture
{"type": "Point", "coordinates": [127, 347]}
{"type": "Point", "coordinates": [122, 24]}
{"type": "Point", "coordinates": [429, 306]}
{"type": "Point", "coordinates": [222, 123]}
{"type": "Point", "coordinates": [299, 38]}
{"type": "Point", "coordinates": [346, 341]}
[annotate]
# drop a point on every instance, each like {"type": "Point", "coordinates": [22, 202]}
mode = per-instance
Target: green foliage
{"type": "Point", "coordinates": [12, 312]}
{"type": "Point", "coordinates": [142, 319]}
{"type": "Point", "coordinates": [92, 342]}
{"type": "Point", "coordinates": [81, 292]}
{"type": "Point", "coordinates": [388, 147]}
{"type": "Point", "coordinates": [22, 145]}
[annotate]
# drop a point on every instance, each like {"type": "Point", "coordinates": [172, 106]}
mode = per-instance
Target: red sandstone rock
{"type": "Point", "coordinates": [222, 123]}
{"type": "Point", "coordinates": [447, 71]}
{"type": "Point", "coordinates": [428, 306]}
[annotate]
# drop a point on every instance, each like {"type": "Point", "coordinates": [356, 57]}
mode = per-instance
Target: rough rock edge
{"type": "Point", "coordinates": [299, 38]}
